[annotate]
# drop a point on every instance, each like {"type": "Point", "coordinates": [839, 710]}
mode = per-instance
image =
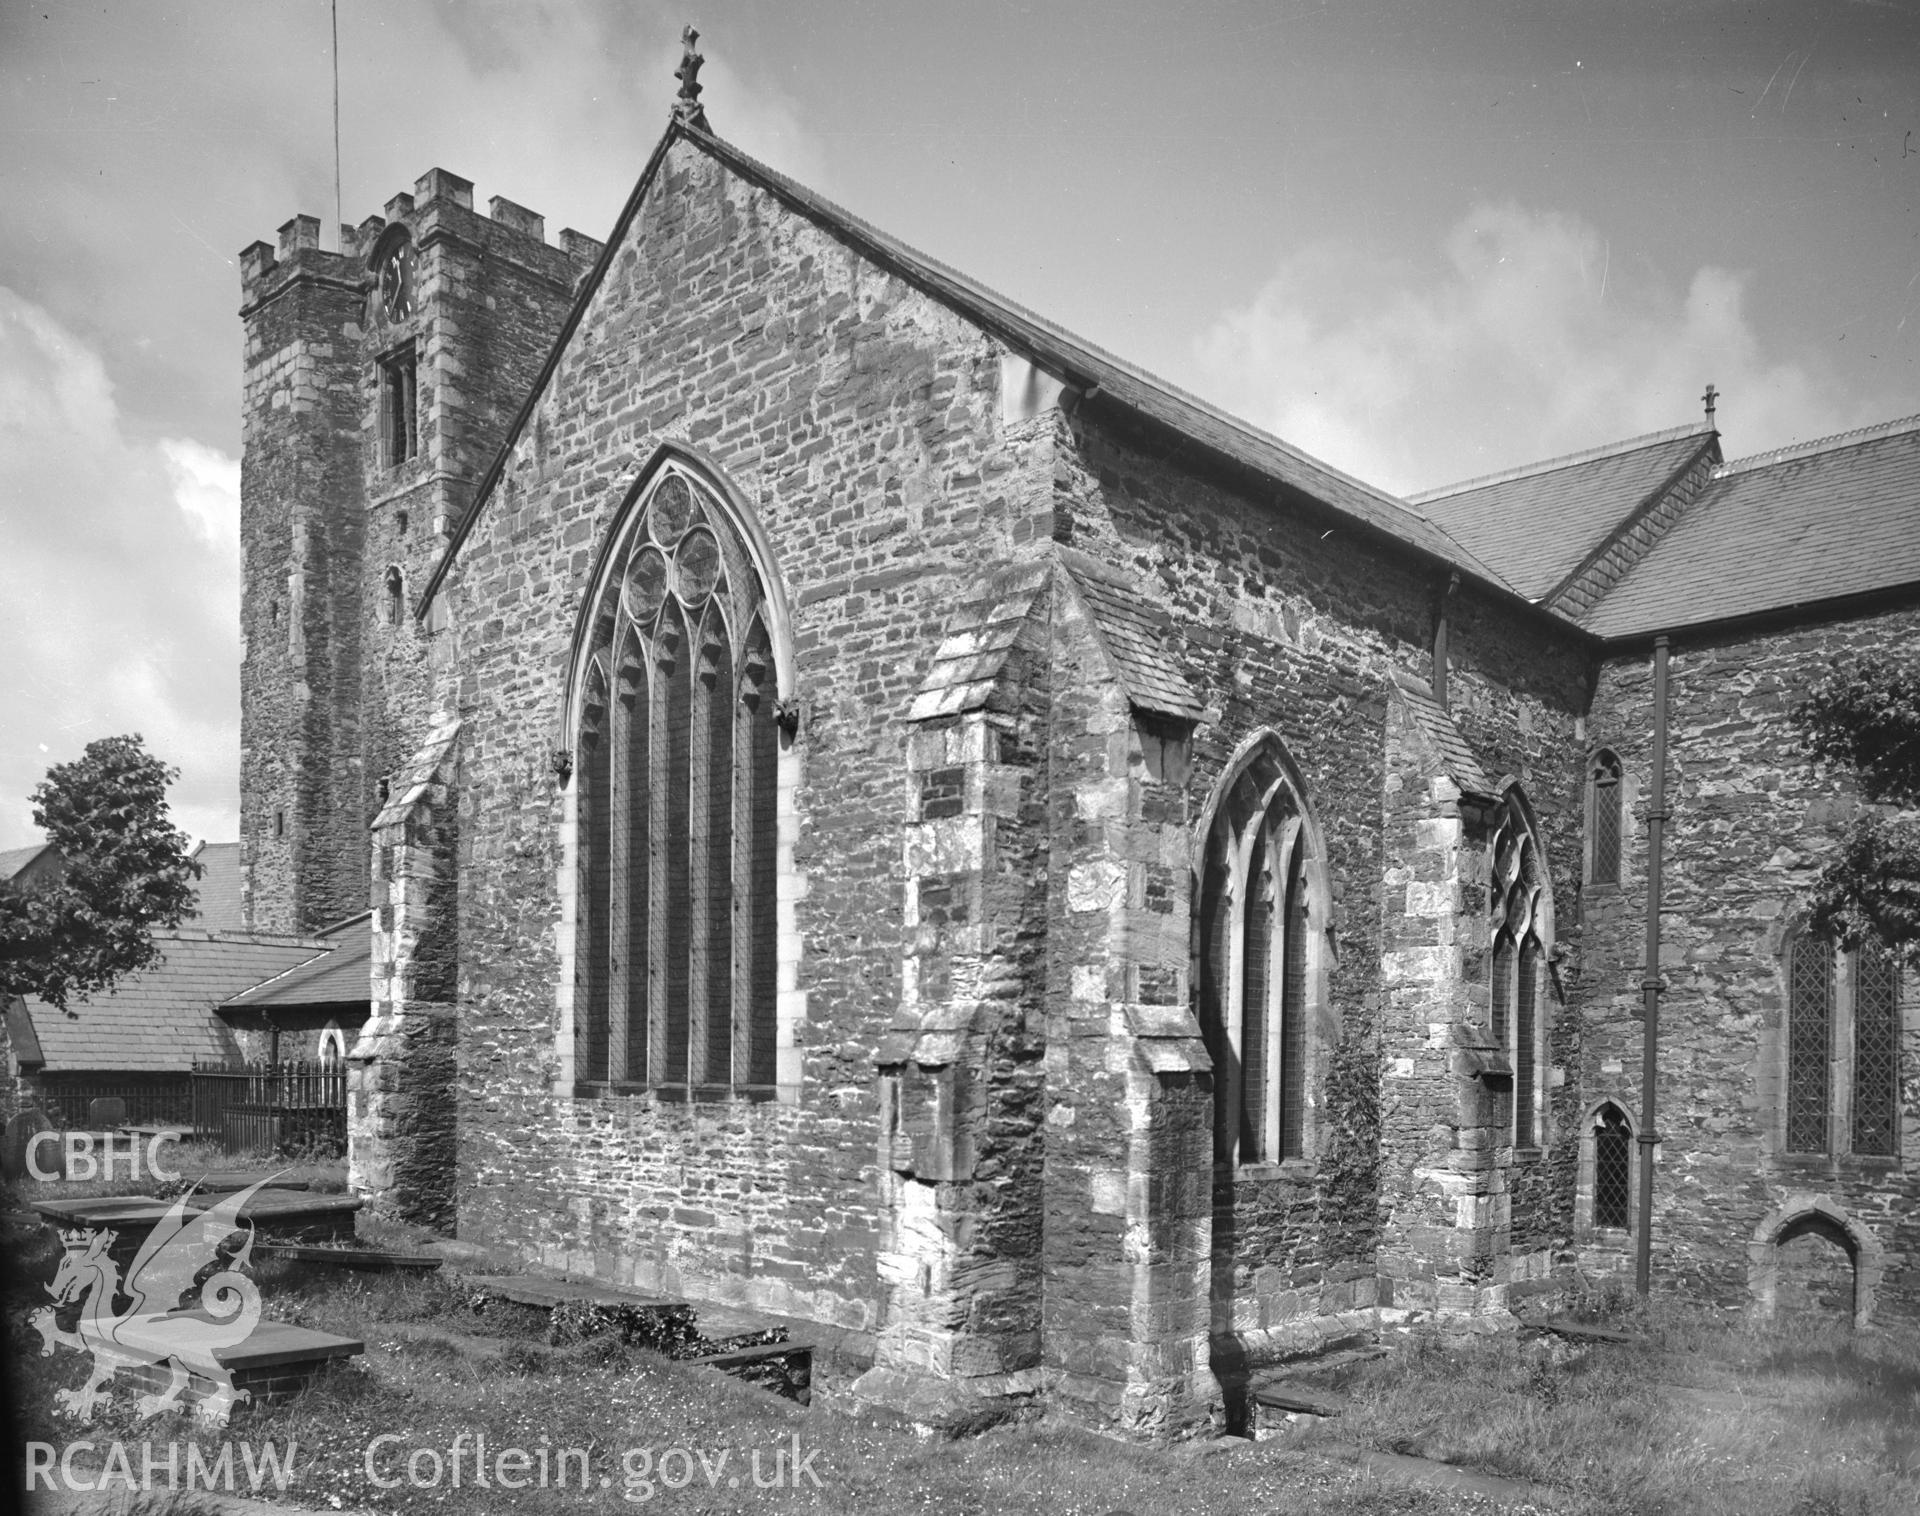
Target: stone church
{"type": "Point", "coordinates": [879, 811]}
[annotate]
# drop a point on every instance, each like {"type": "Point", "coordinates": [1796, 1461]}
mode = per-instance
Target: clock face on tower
{"type": "Point", "coordinates": [396, 282]}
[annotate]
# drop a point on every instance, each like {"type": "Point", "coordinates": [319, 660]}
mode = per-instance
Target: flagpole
{"type": "Point", "coordinates": [339, 220]}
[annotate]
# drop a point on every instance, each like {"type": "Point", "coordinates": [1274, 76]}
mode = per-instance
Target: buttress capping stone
{"type": "Point", "coordinates": [1458, 762]}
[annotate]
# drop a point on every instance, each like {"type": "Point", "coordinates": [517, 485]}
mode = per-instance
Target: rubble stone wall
{"type": "Point", "coordinates": [1285, 620]}
{"type": "Point", "coordinates": [861, 423]}
{"type": "Point", "coordinates": [1752, 821]}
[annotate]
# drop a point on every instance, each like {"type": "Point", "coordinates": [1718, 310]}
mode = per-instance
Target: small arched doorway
{"type": "Point", "coordinates": [1818, 1269]}
{"type": "Point", "coordinates": [1810, 1259]}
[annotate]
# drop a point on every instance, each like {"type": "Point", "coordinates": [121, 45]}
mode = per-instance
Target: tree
{"type": "Point", "coordinates": [1864, 717]}
{"type": "Point", "coordinates": [126, 872]}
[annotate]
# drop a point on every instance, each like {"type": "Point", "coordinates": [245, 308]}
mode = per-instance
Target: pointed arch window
{"type": "Point", "coordinates": [1612, 1169]}
{"type": "Point", "coordinates": [676, 806]}
{"type": "Point", "coordinates": [1604, 807]}
{"type": "Point", "coordinates": [1261, 929]}
{"type": "Point", "coordinates": [1522, 939]}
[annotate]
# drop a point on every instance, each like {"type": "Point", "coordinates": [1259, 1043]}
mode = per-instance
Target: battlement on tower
{"type": "Point", "coordinates": [440, 205]}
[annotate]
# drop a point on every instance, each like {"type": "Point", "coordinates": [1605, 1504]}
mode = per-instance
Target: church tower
{"type": "Point", "coordinates": [380, 380]}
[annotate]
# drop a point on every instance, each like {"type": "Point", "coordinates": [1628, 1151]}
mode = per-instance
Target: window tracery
{"type": "Point", "coordinates": [1261, 923]}
{"type": "Point", "coordinates": [676, 806]}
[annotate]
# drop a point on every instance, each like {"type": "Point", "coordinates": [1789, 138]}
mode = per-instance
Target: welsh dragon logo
{"type": "Point", "coordinates": [183, 1250]}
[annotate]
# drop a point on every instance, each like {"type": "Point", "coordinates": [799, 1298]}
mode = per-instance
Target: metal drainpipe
{"type": "Point", "coordinates": [1440, 640]}
{"type": "Point", "coordinates": [1650, 980]}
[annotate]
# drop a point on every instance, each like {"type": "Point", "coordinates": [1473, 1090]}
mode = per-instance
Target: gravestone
{"type": "Point", "coordinates": [106, 1112]}
{"type": "Point", "coordinates": [20, 1130]}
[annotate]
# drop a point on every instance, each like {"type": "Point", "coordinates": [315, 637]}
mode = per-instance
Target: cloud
{"type": "Point", "coordinates": [1529, 338]}
{"type": "Point", "coordinates": [206, 488]}
{"type": "Point", "coordinates": [120, 362]}
{"type": "Point", "coordinates": [130, 196]}
{"type": "Point", "coordinates": [119, 581]}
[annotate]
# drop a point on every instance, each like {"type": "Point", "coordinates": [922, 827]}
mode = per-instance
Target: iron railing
{"type": "Point", "coordinates": [272, 1107]}
{"type": "Point", "coordinates": [149, 1099]}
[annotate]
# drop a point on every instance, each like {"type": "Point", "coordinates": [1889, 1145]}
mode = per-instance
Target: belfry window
{"type": "Point", "coordinates": [1842, 1049]}
{"type": "Point", "coordinates": [1260, 954]}
{"type": "Point", "coordinates": [678, 754]}
{"type": "Point", "coordinates": [1603, 819]}
{"type": "Point", "coordinates": [399, 407]}
{"type": "Point", "coordinates": [1522, 932]}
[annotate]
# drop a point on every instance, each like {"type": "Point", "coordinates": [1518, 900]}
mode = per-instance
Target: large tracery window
{"type": "Point", "coordinates": [1259, 959]}
{"type": "Point", "coordinates": [1522, 922]}
{"type": "Point", "coordinates": [676, 825]}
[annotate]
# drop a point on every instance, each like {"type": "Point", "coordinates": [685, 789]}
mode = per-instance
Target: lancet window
{"type": "Point", "coordinates": [1522, 936]}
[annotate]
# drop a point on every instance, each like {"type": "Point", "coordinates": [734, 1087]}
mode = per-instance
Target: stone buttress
{"type": "Point", "coordinates": [401, 1126]}
{"type": "Point", "coordinates": [1046, 1101]}
{"type": "Point", "coordinates": [1445, 1084]}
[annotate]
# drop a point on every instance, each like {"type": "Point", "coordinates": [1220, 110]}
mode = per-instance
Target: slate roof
{"type": "Point", "coordinates": [1825, 520]}
{"type": "Point", "coordinates": [218, 889]}
{"type": "Point", "coordinates": [1134, 633]}
{"type": "Point", "coordinates": [15, 859]}
{"type": "Point", "coordinates": [1457, 759]}
{"type": "Point", "coordinates": [1537, 524]}
{"type": "Point", "coordinates": [409, 784]}
{"type": "Point", "coordinates": [967, 664]}
{"type": "Point", "coordinates": [341, 976]}
{"type": "Point", "coordinates": [1091, 370]}
{"type": "Point", "coordinates": [162, 1019]}
{"type": "Point", "coordinates": [216, 892]}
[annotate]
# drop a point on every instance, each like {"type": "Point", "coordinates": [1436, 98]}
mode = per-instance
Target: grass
{"type": "Point", "coordinates": [1699, 1417]}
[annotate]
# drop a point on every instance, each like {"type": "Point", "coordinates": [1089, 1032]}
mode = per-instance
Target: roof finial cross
{"type": "Point", "coordinates": [687, 107]}
{"type": "Point", "coordinates": [1711, 395]}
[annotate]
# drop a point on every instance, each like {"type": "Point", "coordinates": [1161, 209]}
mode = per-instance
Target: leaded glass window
{"type": "Point", "coordinates": [1604, 800]}
{"type": "Point", "coordinates": [1525, 1039]}
{"type": "Point", "coordinates": [1830, 1012]}
{"type": "Point", "coordinates": [1612, 1169]}
{"type": "Point", "coordinates": [1293, 1023]}
{"type": "Point", "coordinates": [1876, 1048]}
{"type": "Point", "coordinates": [1257, 959]}
{"type": "Point", "coordinates": [676, 806]}
{"type": "Point", "coordinates": [1520, 908]}
{"type": "Point", "coordinates": [1809, 1045]}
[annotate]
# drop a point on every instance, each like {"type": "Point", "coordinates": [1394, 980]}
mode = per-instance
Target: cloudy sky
{"type": "Point", "coordinates": [1424, 239]}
